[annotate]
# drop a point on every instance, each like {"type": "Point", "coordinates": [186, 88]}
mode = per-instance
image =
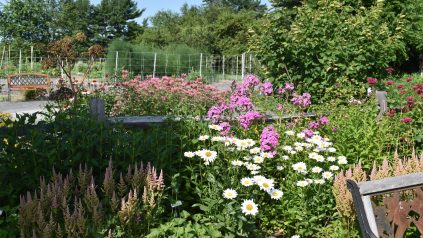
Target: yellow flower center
{"type": "Point", "coordinates": [249, 207]}
{"type": "Point", "coordinates": [275, 194]}
{"type": "Point", "coordinates": [208, 153]}
{"type": "Point", "coordinates": [266, 185]}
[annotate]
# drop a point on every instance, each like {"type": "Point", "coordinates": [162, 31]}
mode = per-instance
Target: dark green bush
{"type": "Point", "coordinates": [331, 46]}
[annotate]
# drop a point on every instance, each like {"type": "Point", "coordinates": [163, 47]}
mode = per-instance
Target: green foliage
{"type": "Point", "coordinates": [330, 44]}
{"type": "Point", "coordinates": [139, 59]}
{"type": "Point", "coordinates": [212, 28]}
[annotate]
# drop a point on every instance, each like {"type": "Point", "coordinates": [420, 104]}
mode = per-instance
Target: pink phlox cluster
{"type": "Point", "coordinates": [241, 102]}
{"type": "Point", "coordinates": [247, 119]}
{"type": "Point", "coordinates": [308, 132]}
{"type": "Point", "coordinates": [226, 127]}
{"type": "Point", "coordinates": [216, 112]}
{"type": "Point", "coordinates": [266, 88]}
{"type": "Point", "coordinates": [320, 122]}
{"type": "Point", "coordinates": [287, 88]}
{"type": "Point", "coordinates": [269, 138]}
{"type": "Point", "coordinates": [247, 86]}
{"type": "Point", "coordinates": [301, 100]}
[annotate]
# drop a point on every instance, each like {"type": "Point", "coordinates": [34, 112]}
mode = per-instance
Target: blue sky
{"type": "Point", "coordinates": [153, 6]}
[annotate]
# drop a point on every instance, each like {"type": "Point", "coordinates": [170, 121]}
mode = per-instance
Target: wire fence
{"type": "Point", "coordinates": [212, 68]}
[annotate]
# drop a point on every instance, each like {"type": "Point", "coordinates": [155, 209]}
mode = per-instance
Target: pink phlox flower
{"type": "Point", "coordinates": [269, 138]}
{"type": "Point", "coordinates": [247, 119]}
{"type": "Point", "coordinates": [266, 88]}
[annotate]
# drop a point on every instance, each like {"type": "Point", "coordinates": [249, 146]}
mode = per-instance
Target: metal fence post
{"type": "Point", "coordinates": [223, 68]}
{"type": "Point", "coordinates": [154, 66]}
{"type": "Point", "coordinates": [32, 55]}
{"type": "Point", "coordinates": [243, 66]}
{"type": "Point", "coordinates": [116, 62]}
{"type": "Point", "coordinates": [201, 62]}
{"type": "Point", "coordinates": [236, 66]}
{"type": "Point", "coordinates": [20, 60]}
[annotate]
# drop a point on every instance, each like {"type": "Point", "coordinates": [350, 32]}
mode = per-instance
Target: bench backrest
{"type": "Point", "coordinates": [391, 215]}
{"type": "Point", "coordinates": [28, 81]}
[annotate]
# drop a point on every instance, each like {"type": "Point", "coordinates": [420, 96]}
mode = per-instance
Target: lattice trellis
{"type": "Point", "coordinates": [22, 81]}
{"type": "Point", "coordinates": [396, 212]}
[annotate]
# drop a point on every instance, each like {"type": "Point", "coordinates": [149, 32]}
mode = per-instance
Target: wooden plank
{"type": "Point", "coordinates": [390, 184]}
{"type": "Point", "coordinates": [368, 208]}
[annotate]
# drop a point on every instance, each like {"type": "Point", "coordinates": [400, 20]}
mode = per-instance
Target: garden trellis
{"type": "Point", "coordinates": [155, 64]}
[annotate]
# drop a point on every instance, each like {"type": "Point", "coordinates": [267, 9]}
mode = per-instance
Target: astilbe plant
{"type": "Point", "coordinates": [74, 206]}
{"type": "Point", "coordinates": [398, 167]}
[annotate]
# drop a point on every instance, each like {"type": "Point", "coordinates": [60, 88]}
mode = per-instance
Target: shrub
{"type": "Point", "coordinates": [164, 96]}
{"type": "Point", "coordinates": [3, 117]}
{"type": "Point", "coordinates": [35, 94]}
{"type": "Point", "coordinates": [331, 46]}
{"type": "Point", "coordinates": [73, 206]}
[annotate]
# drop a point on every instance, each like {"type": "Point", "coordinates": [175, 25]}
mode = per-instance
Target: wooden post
{"type": "Point", "coordinates": [20, 61]}
{"type": "Point", "coordinates": [223, 68]}
{"type": "Point", "coordinates": [383, 103]}
{"type": "Point", "coordinates": [97, 109]}
{"type": "Point", "coordinates": [243, 66]}
{"type": "Point", "coordinates": [116, 62]}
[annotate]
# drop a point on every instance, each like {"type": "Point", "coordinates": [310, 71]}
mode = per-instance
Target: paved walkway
{"type": "Point", "coordinates": [22, 107]}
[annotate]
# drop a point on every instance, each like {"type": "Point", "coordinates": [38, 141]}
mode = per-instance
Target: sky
{"type": "Point", "coordinates": [153, 6]}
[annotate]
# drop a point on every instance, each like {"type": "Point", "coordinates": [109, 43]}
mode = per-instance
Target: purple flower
{"type": "Point", "coordinates": [334, 129]}
{"type": "Point", "coordinates": [250, 81]}
{"type": "Point", "coordinates": [241, 102]}
{"type": "Point", "coordinates": [226, 127]}
{"type": "Point", "coordinates": [313, 125]}
{"type": "Point", "coordinates": [269, 138]}
{"type": "Point", "coordinates": [308, 132]}
{"type": "Point", "coordinates": [303, 100]}
{"type": "Point", "coordinates": [215, 113]}
{"type": "Point", "coordinates": [247, 119]}
{"type": "Point", "coordinates": [266, 88]}
{"type": "Point", "coordinates": [288, 87]}
{"type": "Point", "coordinates": [279, 107]}
{"type": "Point", "coordinates": [324, 120]}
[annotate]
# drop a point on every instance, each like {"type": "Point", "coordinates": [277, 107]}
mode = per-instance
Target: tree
{"type": "Point", "coordinates": [238, 5]}
{"type": "Point", "coordinates": [114, 19]}
{"type": "Point", "coordinates": [34, 29]}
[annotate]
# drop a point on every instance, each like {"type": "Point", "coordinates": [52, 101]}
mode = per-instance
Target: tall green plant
{"type": "Point", "coordinates": [329, 46]}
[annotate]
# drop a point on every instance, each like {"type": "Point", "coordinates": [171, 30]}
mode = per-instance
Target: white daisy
{"type": "Point", "coordinates": [302, 183]}
{"type": "Point", "coordinates": [250, 142]}
{"type": "Point", "coordinates": [258, 159]}
{"type": "Point", "coordinates": [252, 167]}
{"type": "Point", "coordinates": [249, 207]}
{"type": "Point", "coordinates": [300, 167]}
{"type": "Point", "coordinates": [241, 144]}
{"type": "Point", "coordinates": [319, 181]}
{"type": "Point", "coordinates": [203, 138]}
{"type": "Point", "coordinates": [237, 163]}
{"type": "Point", "coordinates": [300, 135]}
{"type": "Point", "coordinates": [208, 156]}
{"type": "Point", "coordinates": [247, 158]}
{"type": "Point", "coordinates": [215, 127]}
{"type": "Point", "coordinates": [316, 169]}
{"type": "Point", "coordinates": [230, 193]}
{"type": "Point", "coordinates": [289, 133]}
{"type": "Point", "coordinates": [266, 155]}
{"type": "Point", "coordinates": [295, 236]}
{"type": "Point", "coordinates": [287, 148]}
{"type": "Point", "coordinates": [275, 194]}
{"type": "Point", "coordinates": [189, 154]}
{"type": "Point", "coordinates": [258, 178]}
{"type": "Point", "coordinates": [332, 150]}
{"type": "Point", "coordinates": [331, 159]}
{"type": "Point", "coordinates": [247, 182]}
{"type": "Point", "coordinates": [327, 175]}
{"type": "Point", "coordinates": [279, 167]}
{"type": "Point", "coordinates": [254, 172]}
{"type": "Point", "coordinates": [266, 184]}
{"type": "Point", "coordinates": [217, 138]}
{"type": "Point", "coordinates": [255, 150]}
{"type": "Point", "coordinates": [298, 148]}
{"type": "Point", "coordinates": [285, 157]}
{"type": "Point", "coordinates": [292, 152]}
{"type": "Point", "coordinates": [320, 158]}
{"type": "Point", "coordinates": [342, 160]}
{"type": "Point", "coordinates": [333, 168]}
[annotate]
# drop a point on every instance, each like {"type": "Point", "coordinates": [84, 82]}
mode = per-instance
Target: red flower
{"type": "Point", "coordinates": [402, 92]}
{"type": "Point", "coordinates": [409, 79]}
{"type": "Point", "coordinates": [390, 82]}
{"type": "Point", "coordinates": [390, 70]}
{"type": "Point", "coordinates": [407, 120]}
{"type": "Point", "coordinates": [391, 113]}
{"type": "Point", "coordinates": [410, 99]}
{"type": "Point", "coordinates": [400, 86]}
{"type": "Point", "coordinates": [372, 81]}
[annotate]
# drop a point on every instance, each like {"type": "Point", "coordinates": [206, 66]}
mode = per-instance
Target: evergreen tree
{"type": "Point", "coordinates": [238, 5]}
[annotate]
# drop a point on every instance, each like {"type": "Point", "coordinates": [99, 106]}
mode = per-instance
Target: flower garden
{"type": "Point", "coordinates": [261, 160]}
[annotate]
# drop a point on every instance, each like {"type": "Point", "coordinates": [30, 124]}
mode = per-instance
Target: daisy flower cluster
{"type": "Point", "coordinates": [313, 157]}
{"type": "Point", "coordinates": [208, 156]}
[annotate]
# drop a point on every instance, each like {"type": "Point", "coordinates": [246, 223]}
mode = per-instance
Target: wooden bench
{"type": "Point", "coordinates": [388, 207]}
{"type": "Point", "coordinates": [27, 81]}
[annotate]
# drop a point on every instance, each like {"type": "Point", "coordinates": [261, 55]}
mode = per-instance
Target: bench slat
{"type": "Point", "coordinates": [390, 184]}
